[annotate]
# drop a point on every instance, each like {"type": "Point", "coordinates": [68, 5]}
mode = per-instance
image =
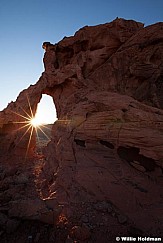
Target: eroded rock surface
{"type": "Point", "coordinates": [104, 164]}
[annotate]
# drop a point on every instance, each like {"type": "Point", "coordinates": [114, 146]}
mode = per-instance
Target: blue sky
{"type": "Point", "coordinates": [25, 25]}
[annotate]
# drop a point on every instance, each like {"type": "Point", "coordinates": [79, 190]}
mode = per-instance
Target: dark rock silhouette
{"type": "Point", "coordinates": [105, 158]}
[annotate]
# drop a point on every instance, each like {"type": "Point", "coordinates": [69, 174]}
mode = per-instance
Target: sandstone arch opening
{"type": "Point", "coordinates": [43, 121]}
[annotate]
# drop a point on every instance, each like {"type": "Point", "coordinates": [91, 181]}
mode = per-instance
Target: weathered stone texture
{"type": "Point", "coordinates": [107, 84]}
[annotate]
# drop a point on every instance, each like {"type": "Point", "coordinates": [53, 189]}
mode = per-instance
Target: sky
{"type": "Point", "coordinates": [26, 24]}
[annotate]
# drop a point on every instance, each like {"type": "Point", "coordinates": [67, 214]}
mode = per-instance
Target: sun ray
{"type": "Point", "coordinates": [29, 141]}
{"type": "Point", "coordinates": [64, 120]}
{"type": "Point", "coordinates": [28, 124]}
{"type": "Point", "coordinates": [24, 134]}
{"type": "Point", "coordinates": [25, 112]}
{"type": "Point", "coordinates": [30, 107]}
{"type": "Point", "coordinates": [37, 133]}
{"type": "Point", "coordinates": [21, 122]}
{"type": "Point", "coordinates": [43, 132]}
{"type": "Point", "coordinates": [38, 139]}
{"type": "Point", "coordinates": [31, 122]}
{"type": "Point", "coordinates": [45, 126]}
{"type": "Point", "coordinates": [25, 123]}
{"type": "Point", "coordinates": [21, 115]}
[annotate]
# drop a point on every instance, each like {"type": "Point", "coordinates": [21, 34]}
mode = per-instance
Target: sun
{"type": "Point", "coordinates": [35, 122]}
{"type": "Point", "coordinates": [31, 123]}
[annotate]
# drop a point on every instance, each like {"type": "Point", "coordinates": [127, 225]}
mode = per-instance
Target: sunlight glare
{"type": "Point", "coordinates": [44, 116]}
{"type": "Point", "coordinates": [35, 122]}
{"type": "Point", "coordinates": [46, 112]}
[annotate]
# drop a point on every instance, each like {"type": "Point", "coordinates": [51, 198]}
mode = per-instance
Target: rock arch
{"type": "Point", "coordinates": [93, 86]}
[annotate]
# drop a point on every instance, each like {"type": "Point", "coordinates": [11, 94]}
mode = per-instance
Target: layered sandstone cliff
{"type": "Point", "coordinates": [107, 146]}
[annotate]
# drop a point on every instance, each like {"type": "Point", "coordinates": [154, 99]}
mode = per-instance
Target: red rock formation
{"type": "Point", "coordinates": [107, 145]}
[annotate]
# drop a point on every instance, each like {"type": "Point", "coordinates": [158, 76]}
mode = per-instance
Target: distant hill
{"type": "Point", "coordinates": [44, 135]}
